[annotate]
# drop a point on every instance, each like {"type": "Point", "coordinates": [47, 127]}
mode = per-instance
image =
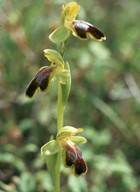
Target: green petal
{"type": "Point", "coordinates": [50, 148]}
{"type": "Point", "coordinates": [78, 139]}
{"type": "Point", "coordinates": [59, 35]}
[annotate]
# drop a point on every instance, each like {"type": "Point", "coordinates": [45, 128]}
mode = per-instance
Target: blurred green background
{"type": "Point", "coordinates": [104, 99]}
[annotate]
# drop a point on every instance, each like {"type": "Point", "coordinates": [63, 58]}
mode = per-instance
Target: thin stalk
{"type": "Point", "coordinates": [60, 108]}
{"type": "Point", "coordinates": [62, 99]}
{"type": "Point", "coordinates": [63, 47]}
{"type": "Point", "coordinates": [60, 113]}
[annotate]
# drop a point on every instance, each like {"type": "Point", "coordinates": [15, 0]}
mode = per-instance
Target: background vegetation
{"type": "Point", "coordinates": [105, 96]}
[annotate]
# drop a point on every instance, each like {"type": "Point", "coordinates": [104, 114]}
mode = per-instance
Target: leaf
{"type": "Point", "coordinates": [59, 35]}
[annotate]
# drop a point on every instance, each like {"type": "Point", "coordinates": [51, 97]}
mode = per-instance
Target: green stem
{"type": "Point", "coordinates": [63, 93]}
{"type": "Point", "coordinates": [63, 47]}
{"type": "Point", "coordinates": [60, 108]}
{"type": "Point", "coordinates": [60, 113]}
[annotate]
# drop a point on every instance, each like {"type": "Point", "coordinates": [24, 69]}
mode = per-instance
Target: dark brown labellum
{"type": "Point", "coordinates": [70, 156]}
{"type": "Point", "coordinates": [85, 30]}
{"type": "Point", "coordinates": [73, 158]}
{"type": "Point", "coordinates": [80, 166]}
{"type": "Point", "coordinates": [41, 80]}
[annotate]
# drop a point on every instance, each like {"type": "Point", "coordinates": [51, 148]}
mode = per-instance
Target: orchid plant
{"type": "Point", "coordinates": [65, 143]}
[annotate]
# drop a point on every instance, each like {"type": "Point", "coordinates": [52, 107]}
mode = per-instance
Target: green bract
{"type": "Point", "coordinates": [65, 81]}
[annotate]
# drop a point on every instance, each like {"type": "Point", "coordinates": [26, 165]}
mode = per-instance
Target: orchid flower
{"type": "Point", "coordinates": [42, 80]}
{"type": "Point", "coordinates": [67, 142]}
{"type": "Point", "coordinates": [79, 28]}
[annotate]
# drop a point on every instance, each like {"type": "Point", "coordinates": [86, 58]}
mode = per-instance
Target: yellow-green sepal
{"type": "Point", "coordinates": [50, 148]}
{"type": "Point", "coordinates": [54, 57]}
{"type": "Point", "coordinates": [69, 13]}
{"type": "Point", "coordinates": [61, 34]}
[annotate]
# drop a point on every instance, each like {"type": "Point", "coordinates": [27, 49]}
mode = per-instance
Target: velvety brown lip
{"type": "Point", "coordinates": [83, 28]}
{"type": "Point", "coordinates": [41, 80]}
